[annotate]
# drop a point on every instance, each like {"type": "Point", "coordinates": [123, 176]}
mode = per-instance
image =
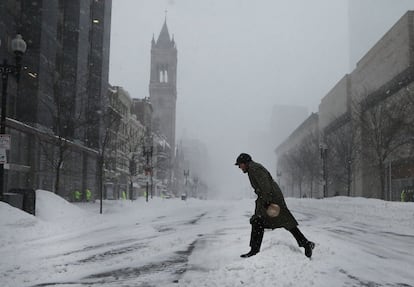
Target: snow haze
{"type": "Point", "coordinates": [170, 242]}
{"type": "Point", "coordinates": [237, 59]}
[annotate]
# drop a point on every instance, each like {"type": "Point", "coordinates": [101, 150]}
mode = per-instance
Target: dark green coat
{"type": "Point", "coordinates": [268, 191]}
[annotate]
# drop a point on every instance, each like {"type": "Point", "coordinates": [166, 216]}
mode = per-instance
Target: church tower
{"type": "Point", "coordinates": [163, 85]}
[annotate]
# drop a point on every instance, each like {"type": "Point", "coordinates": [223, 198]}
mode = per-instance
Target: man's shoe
{"type": "Point", "coordinates": [251, 253]}
{"type": "Point", "coordinates": [308, 248]}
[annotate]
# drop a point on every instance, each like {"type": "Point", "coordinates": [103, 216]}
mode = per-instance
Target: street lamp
{"type": "Point", "coordinates": [18, 46]}
{"type": "Point", "coordinates": [132, 174]}
{"type": "Point", "coordinates": [195, 180]}
{"type": "Point", "coordinates": [148, 150]}
{"type": "Point", "coordinates": [185, 194]}
{"type": "Point", "coordinates": [324, 153]}
{"type": "Point", "coordinates": [186, 174]}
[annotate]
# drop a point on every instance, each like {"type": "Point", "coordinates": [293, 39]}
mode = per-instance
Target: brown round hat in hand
{"type": "Point", "coordinates": [273, 210]}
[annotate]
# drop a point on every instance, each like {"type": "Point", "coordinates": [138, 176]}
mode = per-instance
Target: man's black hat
{"type": "Point", "coordinates": [243, 158]}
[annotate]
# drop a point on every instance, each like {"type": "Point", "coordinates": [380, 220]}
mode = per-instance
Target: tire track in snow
{"type": "Point", "coordinates": [173, 266]}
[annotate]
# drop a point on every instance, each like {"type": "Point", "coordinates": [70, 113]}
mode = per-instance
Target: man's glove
{"type": "Point", "coordinates": [256, 219]}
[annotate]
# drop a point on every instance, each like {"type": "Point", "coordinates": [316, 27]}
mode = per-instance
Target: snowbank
{"type": "Point", "coordinates": [53, 208]}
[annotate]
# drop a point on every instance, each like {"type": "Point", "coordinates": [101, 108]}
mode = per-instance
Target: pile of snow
{"type": "Point", "coordinates": [54, 215]}
{"type": "Point", "coordinates": [380, 213]}
{"type": "Point", "coordinates": [11, 216]}
{"type": "Point", "coordinates": [14, 224]}
{"type": "Point", "coordinates": [53, 208]}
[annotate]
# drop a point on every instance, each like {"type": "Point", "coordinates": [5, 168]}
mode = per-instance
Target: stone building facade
{"type": "Point", "coordinates": [366, 121]}
{"type": "Point", "coordinates": [66, 66]}
{"type": "Point", "coordinates": [163, 85]}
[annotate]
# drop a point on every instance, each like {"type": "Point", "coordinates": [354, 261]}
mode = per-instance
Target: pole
{"type": "Point", "coordinates": [100, 183]}
{"type": "Point", "coordinates": [323, 150]}
{"type": "Point", "coordinates": [4, 77]}
{"type": "Point", "coordinates": [348, 171]}
{"type": "Point", "coordinates": [146, 194]}
{"type": "Point", "coordinates": [147, 171]}
{"type": "Point", "coordinates": [19, 48]}
{"type": "Point", "coordinates": [389, 180]}
{"type": "Point", "coordinates": [132, 172]}
{"type": "Point", "coordinates": [152, 184]}
{"type": "Point", "coordinates": [325, 181]}
{"type": "Point", "coordinates": [151, 169]}
{"type": "Point", "coordinates": [131, 189]}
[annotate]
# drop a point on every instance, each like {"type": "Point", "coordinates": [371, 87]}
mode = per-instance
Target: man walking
{"type": "Point", "coordinates": [271, 210]}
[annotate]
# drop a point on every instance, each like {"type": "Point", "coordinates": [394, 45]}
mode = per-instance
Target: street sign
{"type": "Point", "coordinates": [5, 141]}
{"type": "Point", "coordinates": [3, 156]}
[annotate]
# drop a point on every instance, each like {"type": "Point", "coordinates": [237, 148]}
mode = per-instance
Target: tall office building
{"type": "Point", "coordinates": [66, 65]}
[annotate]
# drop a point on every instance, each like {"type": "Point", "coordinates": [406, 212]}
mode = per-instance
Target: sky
{"type": "Point", "coordinates": [237, 59]}
{"type": "Point", "coordinates": [196, 243]}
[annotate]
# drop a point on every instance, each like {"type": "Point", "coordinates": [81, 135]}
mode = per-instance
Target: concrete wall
{"type": "Point", "coordinates": [335, 103]}
{"type": "Point", "coordinates": [391, 56]}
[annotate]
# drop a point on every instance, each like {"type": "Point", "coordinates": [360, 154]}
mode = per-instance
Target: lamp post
{"type": "Point", "coordinates": [186, 174]}
{"type": "Point", "coordinates": [185, 194]}
{"type": "Point", "coordinates": [148, 150]}
{"type": "Point", "coordinates": [18, 46]}
{"type": "Point", "coordinates": [324, 153]}
{"type": "Point", "coordinates": [348, 177]}
{"type": "Point", "coordinates": [195, 180]}
{"type": "Point", "coordinates": [132, 174]}
{"type": "Point", "coordinates": [389, 181]}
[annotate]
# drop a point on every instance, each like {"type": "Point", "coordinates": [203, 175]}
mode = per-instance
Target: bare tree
{"type": "Point", "coordinates": [386, 127]}
{"type": "Point", "coordinates": [287, 169]}
{"type": "Point", "coordinates": [59, 102]}
{"type": "Point", "coordinates": [308, 159]}
{"type": "Point", "coordinates": [134, 145]}
{"type": "Point", "coordinates": [341, 155]}
{"type": "Point", "coordinates": [162, 154]}
{"type": "Point", "coordinates": [408, 94]}
{"type": "Point", "coordinates": [291, 163]}
{"type": "Point", "coordinates": [110, 122]}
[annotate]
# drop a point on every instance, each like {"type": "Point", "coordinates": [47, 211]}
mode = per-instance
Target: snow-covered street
{"type": "Point", "coordinates": [170, 242]}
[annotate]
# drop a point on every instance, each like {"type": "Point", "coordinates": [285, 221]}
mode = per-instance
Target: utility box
{"type": "Point", "coordinates": [29, 199]}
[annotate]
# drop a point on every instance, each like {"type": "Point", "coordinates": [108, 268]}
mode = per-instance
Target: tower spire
{"type": "Point", "coordinates": [163, 90]}
{"type": "Point", "coordinates": [164, 39]}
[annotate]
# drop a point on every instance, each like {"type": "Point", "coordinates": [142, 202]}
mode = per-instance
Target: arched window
{"type": "Point", "coordinates": [163, 73]}
{"type": "Point", "coordinates": [163, 76]}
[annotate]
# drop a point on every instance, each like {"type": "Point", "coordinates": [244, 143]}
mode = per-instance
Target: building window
{"type": "Point", "coordinates": [163, 76]}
